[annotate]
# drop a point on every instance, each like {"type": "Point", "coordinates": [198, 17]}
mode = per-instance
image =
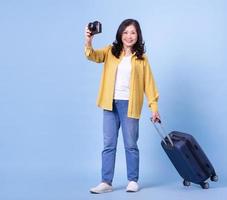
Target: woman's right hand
{"type": "Point", "coordinates": [88, 37]}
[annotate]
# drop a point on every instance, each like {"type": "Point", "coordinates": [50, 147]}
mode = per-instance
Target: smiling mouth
{"type": "Point", "coordinates": [129, 41]}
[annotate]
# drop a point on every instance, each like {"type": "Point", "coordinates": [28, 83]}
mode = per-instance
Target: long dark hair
{"type": "Point", "coordinates": [138, 48]}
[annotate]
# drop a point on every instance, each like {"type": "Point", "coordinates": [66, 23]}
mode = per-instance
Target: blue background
{"type": "Point", "coordinates": [50, 127]}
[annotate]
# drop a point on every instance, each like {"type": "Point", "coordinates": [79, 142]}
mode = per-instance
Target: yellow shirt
{"type": "Point", "coordinates": [141, 81]}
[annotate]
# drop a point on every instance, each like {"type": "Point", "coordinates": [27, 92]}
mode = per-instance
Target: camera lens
{"type": "Point", "coordinates": [91, 27]}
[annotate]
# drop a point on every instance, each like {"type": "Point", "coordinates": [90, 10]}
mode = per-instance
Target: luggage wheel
{"type": "Point", "coordinates": [204, 185]}
{"type": "Point", "coordinates": [186, 183]}
{"type": "Point", "coordinates": [214, 178]}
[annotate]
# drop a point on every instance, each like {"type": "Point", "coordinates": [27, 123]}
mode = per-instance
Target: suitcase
{"type": "Point", "coordinates": [187, 157]}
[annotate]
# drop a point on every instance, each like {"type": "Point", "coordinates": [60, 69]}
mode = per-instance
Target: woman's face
{"type": "Point", "coordinates": [129, 36]}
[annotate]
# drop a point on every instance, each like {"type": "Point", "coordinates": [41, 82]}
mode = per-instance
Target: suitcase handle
{"type": "Point", "coordinates": [164, 131]}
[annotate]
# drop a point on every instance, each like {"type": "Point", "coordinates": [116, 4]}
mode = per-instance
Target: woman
{"type": "Point", "coordinates": [125, 78]}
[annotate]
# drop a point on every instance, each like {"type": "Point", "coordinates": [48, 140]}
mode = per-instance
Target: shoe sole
{"type": "Point", "coordinates": [93, 192]}
{"type": "Point", "coordinates": [132, 191]}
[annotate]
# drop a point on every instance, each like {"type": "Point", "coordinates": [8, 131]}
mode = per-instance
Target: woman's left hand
{"type": "Point", "coordinates": [155, 117]}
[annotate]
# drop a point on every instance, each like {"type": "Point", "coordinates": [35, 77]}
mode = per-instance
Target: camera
{"type": "Point", "coordinates": [95, 27]}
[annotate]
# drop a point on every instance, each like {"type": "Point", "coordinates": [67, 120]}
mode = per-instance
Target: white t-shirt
{"type": "Point", "coordinates": [122, 82]}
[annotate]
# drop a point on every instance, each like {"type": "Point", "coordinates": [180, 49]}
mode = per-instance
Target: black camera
{"type": "Point", "coordinates": [95, 27]}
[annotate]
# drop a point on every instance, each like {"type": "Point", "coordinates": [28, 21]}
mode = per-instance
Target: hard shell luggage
{"type": "Point", "coordinates": [188, 158]}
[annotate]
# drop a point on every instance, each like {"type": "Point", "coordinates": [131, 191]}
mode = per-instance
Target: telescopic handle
{"type": "Point", "coordinates": [161, 133]}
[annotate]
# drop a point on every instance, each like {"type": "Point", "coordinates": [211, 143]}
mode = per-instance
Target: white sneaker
{"type": "Point", "coordinates": [132, 187]}
{"type": "Point", "coordinates": [101, 188]}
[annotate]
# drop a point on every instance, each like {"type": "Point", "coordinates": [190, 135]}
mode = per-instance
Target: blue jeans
{"type": "Point", "coordinates": [112, 121]}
